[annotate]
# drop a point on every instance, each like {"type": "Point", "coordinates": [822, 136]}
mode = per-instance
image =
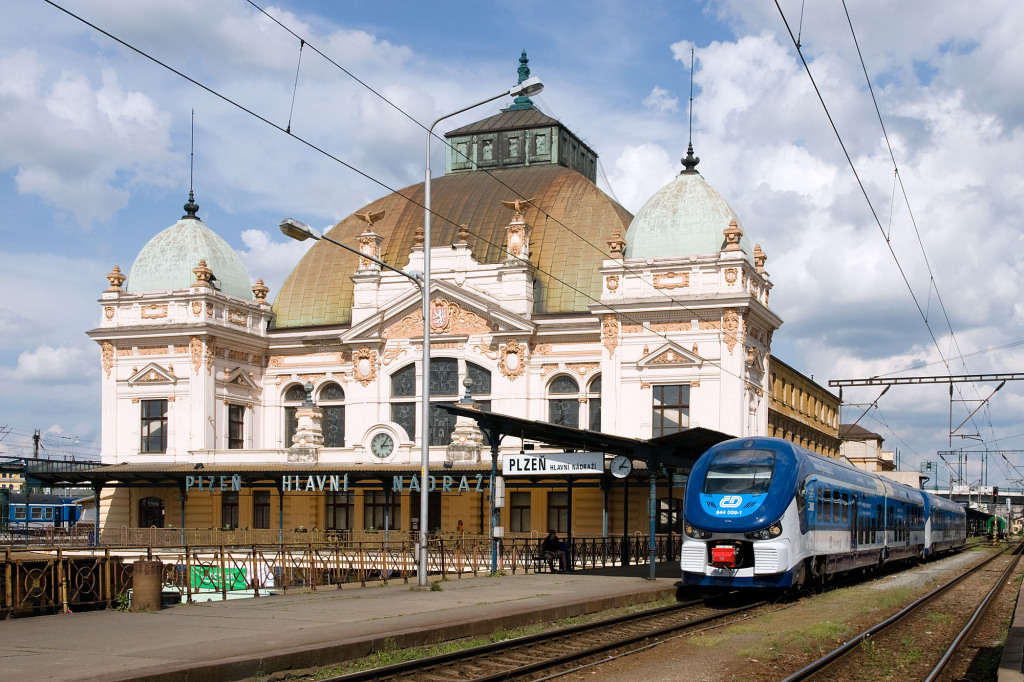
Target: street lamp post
{"type": "Point", "coordinates": [530, 86]}
{"type": "Point", "coordinates": [300, 231]}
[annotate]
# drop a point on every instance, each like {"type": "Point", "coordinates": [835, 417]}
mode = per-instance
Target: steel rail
{"type": "Point", "coordinates": [940, 666]}
{"type": "Point", "coordinates": [424, 665]}
{"type": "Point", "coordinates": [846, 647]}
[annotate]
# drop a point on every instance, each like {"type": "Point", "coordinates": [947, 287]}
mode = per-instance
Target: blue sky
{"type": "Point", "coordinates": [94, 160]}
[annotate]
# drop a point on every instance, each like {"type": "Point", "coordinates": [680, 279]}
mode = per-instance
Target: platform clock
{"type": "Point", "coordinates": [621, 466]}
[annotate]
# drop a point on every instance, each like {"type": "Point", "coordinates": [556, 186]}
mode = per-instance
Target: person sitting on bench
{"type": "Point", "coordinates": [552, 549]}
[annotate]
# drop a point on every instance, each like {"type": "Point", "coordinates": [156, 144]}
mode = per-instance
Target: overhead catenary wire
{"type": "Point", "coordinates": [863, 189]}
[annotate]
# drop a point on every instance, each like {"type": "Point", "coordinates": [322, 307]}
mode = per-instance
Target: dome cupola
{"type": "Point", "coordinates": [686, 217]}
{"type": "Point", "coordinates": [167, 261]}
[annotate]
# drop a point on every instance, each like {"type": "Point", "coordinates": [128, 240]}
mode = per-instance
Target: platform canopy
{"type": "Point", "coordinates": [678, 450]}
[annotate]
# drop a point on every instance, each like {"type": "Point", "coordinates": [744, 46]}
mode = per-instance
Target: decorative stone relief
{"type": "Point", "coordinates": [610, 333]}
{"type": "Point", "coordinates": [732, 327]}
{"type": "Point", "coordinates": [108, 312]}
{"type": "Point", "coordinates": [152, 350]}
{"type": "Point", "coordinates": [238, 317]}
{"type": "Point", "coordinates": [446, 317]}
{"type": "Point", "coordinates": [669, 356]}
{"type": "Point", "coordinates": [632, 328]}
{"type": "Point", "coordinates": [364, 365]}
{"type": "Point", "coordinates": [708, 325]}
{"type": "Point", "coordinates": [312, 378]}
{"type": "Point", "coordinates": [730, 276]}
{"type": "Point", "coordinates": [645, 384]}
{"type": "Point", "coordinates": [392, 354]}
{"type": "Point", "coordinates": [153, 312]}
{"type": "Point", "coordinates": [211, 353]}
{"type": "Point", "coordinates": [238, 356]}
{"type": "Point", "coordinates": [197, 308]}
{"type": "Point", "coordinates": [107, 354]}
{"type": "Point", "coordinates": [583, 368]}
{"type": "Point", "coordinates": [677, 326]}
{"type": "Point", "coordinates": [491, 353]}
{"type": "Point", "coordinates": [548, 368]}
{"type": "Point", "coordinates": [125, 352]}
{"type": "Point", "coordinates": [611, 282]}
{"type": "Point", "coordinates": [196, 350]}
{"type": "Point", "coordinates": [672, 280]}
{"type": "Point", "coordinates": [512, 360]}
{"type": "Point", "coordinates": [541, 349]}
{"type": "Point", "coordinates": [275, 361]}
{"type": "Point", "coordinates": [180, 350]}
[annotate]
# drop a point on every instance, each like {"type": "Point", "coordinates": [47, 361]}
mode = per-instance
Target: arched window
{"type": "Point", "coordinates": [403, 399]}
{"type": "Point", "coordinates": [445, 388]}
{"type": "Point", "coordinates": [151, 512]}
{"type": "Point", "coordinates": [294, 396]}
{"type": "Point", "coordinates": [331, 401]}
{"type": "Point", "coordinates": [564, 401]}
{"type": "Point", "coordinates": [594, 404]}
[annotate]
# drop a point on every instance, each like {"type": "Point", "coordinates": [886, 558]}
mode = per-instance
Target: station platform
{"type": "Point", "coordinates": [235, 639]}
{"type": "Point", "coordinates": [1011, 666]}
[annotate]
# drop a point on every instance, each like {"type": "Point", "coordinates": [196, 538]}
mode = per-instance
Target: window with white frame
{"type": "Point", "coordinates": [564, 401]}
{"type": "Point", "coordinates": [594, 404]}
{"type": "Point", "coordinates": [236, 427]}
{"type": "Point", "coordinates": [671, 409]}
{"type": "Point", "coordinates": [331, 401]}
{"type": "Point", "coordinates": [294, 396]}
{"type": "Point", "coordinates": [154, 426]}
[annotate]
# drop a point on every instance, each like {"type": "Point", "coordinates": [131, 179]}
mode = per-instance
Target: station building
{"type": "Point", "coordinates": [222, 409]}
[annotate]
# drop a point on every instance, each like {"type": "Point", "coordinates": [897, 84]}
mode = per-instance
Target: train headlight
{"type": "Point", "coordinates": [696, 532]}
{"type": "Point", "coordinates": [772, 531]}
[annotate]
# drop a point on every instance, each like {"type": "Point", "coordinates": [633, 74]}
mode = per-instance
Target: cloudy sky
{"type": "Point", "coordinates": [95, 139]}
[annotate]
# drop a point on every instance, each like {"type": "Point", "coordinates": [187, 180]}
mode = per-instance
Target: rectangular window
{"type": "Point", "coordinates": [374, 506]}
{"type": "Point", "coordinates": [558, 511]}
{"type": "Point", "coordinates": [291, 425]}
{"type": "Point", "coordinates": [519, 512]}
{"type": "Point", "coordinates": [229, 510]}
{"type": "Point", "coordinates": [846, 507]}
{"type": "Point", "coordinates": [48, 514]}
{"type": "Point", "coordinates": [338, 511]}
{"type": "Point", "coordinates": [404, 414]}
{"type": "Point", "coordinates": [19, 513]}
{"type": "Point", "coordinates": [671, 409]}
{"type": "Point", "coordinates": [236, 427]}
{"type": "Point", "coordinates": [595, 414]}
{"type": "Point", "coordinates": [154, 426]}
{"type": "Point", "coordinates": [261, 509]}
{"type": "Point", "coordinates": [36, 513]}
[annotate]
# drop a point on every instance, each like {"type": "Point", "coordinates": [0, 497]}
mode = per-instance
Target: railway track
{"type": "Point", "coordinates": [536, 656]}
{"type": "Point", "coordinates": [924, 637]}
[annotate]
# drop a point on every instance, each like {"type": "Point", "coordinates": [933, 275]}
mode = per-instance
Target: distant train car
{"type": "Point", "coordinates": [995, 527]}
{"type": "Point", "coordinates": [766, 513]}
{"type": "Point", "coordinates": [33, 514]}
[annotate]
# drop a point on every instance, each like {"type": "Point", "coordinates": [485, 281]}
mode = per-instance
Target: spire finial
{"type": "Point", "coordinates": [522, 102]}
{"type": "Point", "coordinates": [690, 161]}
{"type": "Point", "coordinates": [191, 208]}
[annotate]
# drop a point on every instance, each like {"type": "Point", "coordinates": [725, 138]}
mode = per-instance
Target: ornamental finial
{"type": "Point", "coordinates": [522, 101]}
{"type": "Point", "coordinates": [191, 208]}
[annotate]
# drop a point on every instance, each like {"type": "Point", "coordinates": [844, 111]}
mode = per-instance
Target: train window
{"type": "Point", "coordinates": [48, 513]}
{"type": "Point", "coordinates": [828, 506]}
{"type": "Point", "coordinates": [740, 472]}
{"type": "Point", "coordinates": [35, 513]}
{"type": "Point", "coordinates": [821, 503]}
{"type": "Point", "coordinates": [846, 508]}
{"type": "Point", "coordinates": [19, 512]}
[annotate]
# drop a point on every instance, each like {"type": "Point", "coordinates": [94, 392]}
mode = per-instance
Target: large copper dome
{"type": "Point", "coordinates": [319, 290]}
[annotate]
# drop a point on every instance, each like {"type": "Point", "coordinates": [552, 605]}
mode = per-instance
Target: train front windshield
{"type": "Point", "coordinates": [740, 472]}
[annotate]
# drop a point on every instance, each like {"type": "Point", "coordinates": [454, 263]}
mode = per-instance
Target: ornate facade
{"type": "Point", "coordinates": [549, 301]}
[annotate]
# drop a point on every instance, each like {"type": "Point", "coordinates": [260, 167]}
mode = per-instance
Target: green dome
{"type": "Point", "coordinates": [166, 262]}
{"type": "Point", "coordinates": [686, 217]}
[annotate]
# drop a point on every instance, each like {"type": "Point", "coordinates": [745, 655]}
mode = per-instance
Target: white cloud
{"type": "Point", "coordinates": [269, 260]}
{"type": "Point", "coordinates": [53, 366]}
{"type": "Point", "coordinates": [661, 101]}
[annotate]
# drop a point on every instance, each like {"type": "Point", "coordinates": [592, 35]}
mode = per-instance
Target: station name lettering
{"type": "Point", "coordinates": [339, 483]}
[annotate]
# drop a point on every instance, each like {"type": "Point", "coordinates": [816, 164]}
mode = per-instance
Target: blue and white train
{"type": "Point", "coordinates": [766, 513]}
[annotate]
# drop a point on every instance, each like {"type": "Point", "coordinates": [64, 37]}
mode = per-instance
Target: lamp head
{"type": "Point", "coordinates": [298, 230]}
{"type": "Point", "coordinates": [530, 86]}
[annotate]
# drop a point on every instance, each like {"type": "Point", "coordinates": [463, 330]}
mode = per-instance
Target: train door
{"type": "Point", "coordinates": [854, 522]}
